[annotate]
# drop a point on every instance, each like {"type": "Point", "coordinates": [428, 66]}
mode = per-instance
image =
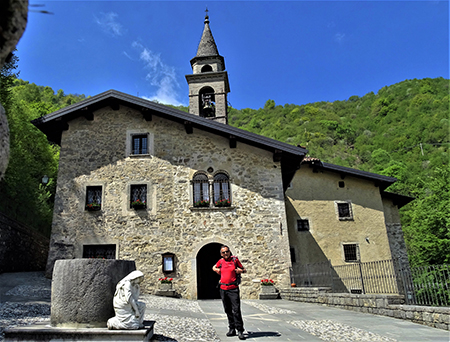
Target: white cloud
{"type": "Point", "coordinates": [109, 24]}
{"type": "Point", "coordinates": [339, 37]}
{"type": "Point", "coordinates": [159, 75]}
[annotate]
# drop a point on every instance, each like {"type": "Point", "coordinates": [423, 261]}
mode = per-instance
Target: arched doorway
{"type": "Point", "coordinates": [207, 279]}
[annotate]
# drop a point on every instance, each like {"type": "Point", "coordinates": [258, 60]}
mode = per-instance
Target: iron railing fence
{"type": "Point", "coordinates": [428, 285]}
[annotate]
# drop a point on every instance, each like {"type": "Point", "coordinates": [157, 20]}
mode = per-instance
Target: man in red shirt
{"type": "Point", "coordinates": [228, 268]}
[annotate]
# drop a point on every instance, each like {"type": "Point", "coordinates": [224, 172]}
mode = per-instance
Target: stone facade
{"type": "Point", "coordinates": [95, 153]}
{"type": "Point", "coordinates": [395, 233]}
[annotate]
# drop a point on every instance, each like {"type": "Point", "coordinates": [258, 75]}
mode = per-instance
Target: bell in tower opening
{"type": "Point", "coordinates": [208, 83]}
{"type": "Point", "coordinates": [208, 103]}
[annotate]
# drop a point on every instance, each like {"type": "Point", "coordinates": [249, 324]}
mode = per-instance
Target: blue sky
{"type": "Point", "coordinates": [289, 51]}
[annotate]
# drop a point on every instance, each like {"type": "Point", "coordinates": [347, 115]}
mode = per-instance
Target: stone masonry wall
{"type": "Point", "coordinates": [21, 249]}
{"type": "Point", "coordinates": [386, 305]}
{"type": "Point", "coordinates": [94, 153]}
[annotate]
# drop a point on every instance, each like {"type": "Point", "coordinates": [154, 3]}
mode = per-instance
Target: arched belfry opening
{"type": "Point", "coordinates": [207, 68]}
{"type": "Point", "coordinates": [208, 83]}
{"type": "Point", "coordinates": [207, 103]}
{"type": "Point", "coordinates": [207, 279]}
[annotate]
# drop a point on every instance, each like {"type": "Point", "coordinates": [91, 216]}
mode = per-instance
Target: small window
{"type": "Point", "coordinates": [292, 250]}
{"type": "Point", "coordinates": [93, 198]}
{"type": "Point", "coordinates": [201, 190]}
{"type": "Point", "coordinates": [221, 190]}
{"type": "Point", "coordinates": [138, 196]}
{"type": "Point", "coordinates": [341, 184]}
{"type": "Point", "coordinates": [99, 251]}
{"type": "Point", "coordinates": [139, 144]}
{"type": "Point", "coordinates": [344, 210]}
{"type": "Point", "coordinates": [302, 225]}
{"type": "Point", "coordinates": [351, 252]}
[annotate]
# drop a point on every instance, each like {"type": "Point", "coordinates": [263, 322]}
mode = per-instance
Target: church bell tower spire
{"type": "Point", "coordinates": [208, 83]}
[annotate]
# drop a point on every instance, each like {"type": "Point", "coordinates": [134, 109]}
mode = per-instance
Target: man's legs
{"type": "Point", "coordinates": [236, 309]}
{"type": "Point", "coordinates": [228, 308]}
{"type": "Point", "coordinates": [232, 306]}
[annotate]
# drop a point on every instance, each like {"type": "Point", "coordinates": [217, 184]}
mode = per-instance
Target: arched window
{"type": "Point", "coordinates": [201, 190]}
{"type": "Point", "coordinates": [207, 68]}
{"type": "Point", "coordinates": [221, 190]}
{"type": "Point", "coordinates": [207, 102]}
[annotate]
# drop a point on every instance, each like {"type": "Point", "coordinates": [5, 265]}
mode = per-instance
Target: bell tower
{"type": "Point", "coordinates": [208, 83]}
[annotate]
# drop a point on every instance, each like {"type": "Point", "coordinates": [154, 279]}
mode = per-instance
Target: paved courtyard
{"type": "Point", "coordinates": [25, 299]}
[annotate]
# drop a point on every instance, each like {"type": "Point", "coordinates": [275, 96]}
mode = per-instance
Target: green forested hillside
{"type": "Point", "coordinates": [401, 131]}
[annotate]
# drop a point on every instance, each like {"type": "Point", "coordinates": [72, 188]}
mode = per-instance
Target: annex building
{"type": "Point", "coordinates": [142, 181]}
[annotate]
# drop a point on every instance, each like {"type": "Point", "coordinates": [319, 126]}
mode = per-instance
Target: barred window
{"type": "Point", "coordinates": [351, 252]}
{"type": "Point", "coordinates": [302, 225]}
{"type": "Point", "coordinates": [139, 144]}
{"type": "Point", "coordinates": [221, 188]}
{"type": "Point", "coordinates": [93, 198]}
{"type": "Point", "coordinates": [99, 251]}
{"type": "Point", "coordinates": [201, 190]}
{"type": "Point", "coordinates": [344, 210]}
{"type": "Point", "coordinates": [138, 196]}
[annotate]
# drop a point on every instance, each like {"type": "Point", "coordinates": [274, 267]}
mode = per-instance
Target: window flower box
{"type": "Point", "coordinates": [223, 203]}
{"type": "Point", "coordinates": [137, 205]}
{"type": "Point", "coordinates": [201, 204]}
{"type": "Point", "coordinates": [93, 207]}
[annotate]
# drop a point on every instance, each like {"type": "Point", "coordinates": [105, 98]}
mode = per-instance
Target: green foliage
{"type": "Point", "coordinates": [402, 131]}
{"type": "Point", "coordinates": [23, 196]}
{"type": "Point", "coordinates": [7, 77]}
{"type": "Point", "coordinates": [428, 221]}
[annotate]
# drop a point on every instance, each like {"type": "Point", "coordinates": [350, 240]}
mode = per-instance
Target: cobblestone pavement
{"type": "Point", "coordinates": [25, 299]}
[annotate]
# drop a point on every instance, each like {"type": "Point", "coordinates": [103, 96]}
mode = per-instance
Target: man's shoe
{"type": "Point", "coordinates": [241, 335]}
{"type": "Point", "coordinates": [231, 332]}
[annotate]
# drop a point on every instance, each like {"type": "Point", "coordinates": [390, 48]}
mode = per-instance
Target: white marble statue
{"type": "Point", "coordinates": [129, 312]}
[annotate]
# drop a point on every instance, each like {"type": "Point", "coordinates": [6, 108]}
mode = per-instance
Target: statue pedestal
{"type": "Point", "coordinates": [43, 332]}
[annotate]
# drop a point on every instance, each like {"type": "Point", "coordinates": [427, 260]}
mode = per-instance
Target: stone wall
{"type": "Point", "coordinates": [386, 305]}
{"type": "Point", "coordinates": [95, 153]}
{"type": "Point", "coordinates": [21, 248]}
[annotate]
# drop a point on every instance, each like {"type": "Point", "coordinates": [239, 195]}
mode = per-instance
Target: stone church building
{"type": "Point", "coordinates": [142, 181]}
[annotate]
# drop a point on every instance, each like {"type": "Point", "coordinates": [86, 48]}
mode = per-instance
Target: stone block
{"type": "Point", "coordinates": [427, 317]}
{"type": "Point", "coordinates": [83, 291]}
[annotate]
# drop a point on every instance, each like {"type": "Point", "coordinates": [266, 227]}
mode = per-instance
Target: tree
{"type": "Point", "coordinates": [427, 226]}
{"type": "Point", "coordinates": [7, 77]}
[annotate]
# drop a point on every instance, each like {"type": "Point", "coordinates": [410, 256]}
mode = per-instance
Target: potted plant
{"type": "Point", "coordinates": [165, 284]}
{"type": "Point", "coordinates": [138, 204]}
{"type": "Point", "coordinates": [222, 203]}
{"type": "Point", "coordinates": [93, 206]}
{"type": "Point", "coordinates": [267, 286]}
{"type": "Point", "coordinates": [201, 203]}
